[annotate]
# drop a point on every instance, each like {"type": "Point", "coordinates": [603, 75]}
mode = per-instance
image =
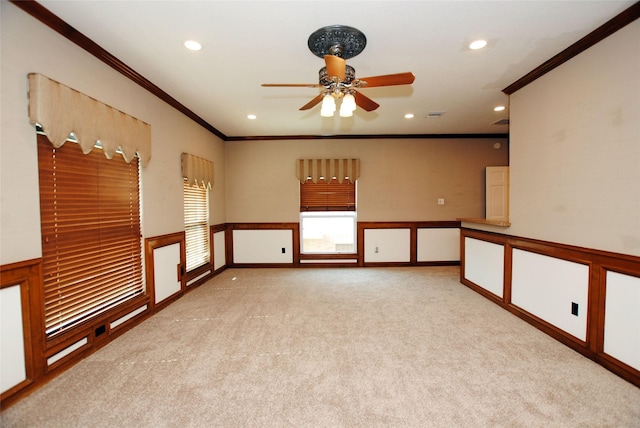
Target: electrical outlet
{"type": "Point", "coordinates": [440, 201]}
{"type": "Point", "coordinates": [574, 308]}
{"type": "Point", "coordinates": [283, 250]}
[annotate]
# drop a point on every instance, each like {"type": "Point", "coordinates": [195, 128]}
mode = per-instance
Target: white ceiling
{"type": "Point", "coordinates": [246, 43]}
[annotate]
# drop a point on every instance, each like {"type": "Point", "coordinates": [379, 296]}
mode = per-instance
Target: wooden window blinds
{"type": "Point", "coordinates": [91, 237]}
{"type": "Point", "coordinates": [196, 225]}
{"type": "Point", "coordinates": [327, 196]}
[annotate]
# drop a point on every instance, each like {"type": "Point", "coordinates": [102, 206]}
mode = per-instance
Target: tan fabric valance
{"type": "Point", "coordinates": [61, 110]}
{"type": "Point", "coordinates": [328, 168]}
{"type": "Point", "coordinates": [197, 170]}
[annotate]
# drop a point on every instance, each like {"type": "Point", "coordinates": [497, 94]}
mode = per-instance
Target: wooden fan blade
{"type": "Point", "coordinates": [336, 66]}
{"type": "Point", "coordinates": [312, 103]}
{"type": "Point", "coordinates": [389, 80]}
{"type": "Point", "coordinates": [291, 85]}
{"type": "Point", "coordinates": [365, 102]}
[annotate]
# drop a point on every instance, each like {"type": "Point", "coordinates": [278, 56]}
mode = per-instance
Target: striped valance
{"type": "Point", "coordinates": [328, 168]}
{"type": "Point", "coordinates": [61, 110]}
{"type": "Point", "coordinates": [197, 171]}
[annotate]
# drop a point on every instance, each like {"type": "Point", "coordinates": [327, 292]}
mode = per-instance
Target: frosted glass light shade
{"type": "Point", "coordinates": [328, 106]}
{"type": "Point", "coordinates": [349, 102]}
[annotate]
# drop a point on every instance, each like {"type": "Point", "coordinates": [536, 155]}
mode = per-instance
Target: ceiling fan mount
{"type": "Point", "coordinates": [338, 40]}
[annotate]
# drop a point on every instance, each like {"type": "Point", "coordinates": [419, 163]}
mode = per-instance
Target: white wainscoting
{"type": "Point", "coordinates": [165, 271]}
{"type": "Point", "coordinates": [547, 286]}
{"type": "Point", "coordinates": [263, 246]}
{"type": "Point", "coordinates": [622, 318]}
{"type": "Point", "coordinates": [67, 351]}
{"type": "Point", "coordinates": [12, 358]}
{"type": "Point", "coordinates": [123, 319]}
{"type": "Point", "coordinates": [484, 265]}
{"type": "Point", "coordinates": [438, 245]}
{"type": "Point", "coordinates": [387, 245]}
{"type": "Point", "coordinates": [219, 250]}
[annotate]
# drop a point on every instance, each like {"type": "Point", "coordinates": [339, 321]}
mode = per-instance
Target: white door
{"type": "Point", "coordinates": [497, 193]}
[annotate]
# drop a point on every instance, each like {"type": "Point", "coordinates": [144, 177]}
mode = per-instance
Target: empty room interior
{"type": "Point", "coordinates": [354, 213]}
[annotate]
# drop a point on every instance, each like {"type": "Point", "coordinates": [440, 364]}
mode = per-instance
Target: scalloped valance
{"type": "Point", "coordinates": [341, 169]}
{"type": "Point", "coordinates": [61, 110]}
{"type": "Point", "coordinates": [197, 171]}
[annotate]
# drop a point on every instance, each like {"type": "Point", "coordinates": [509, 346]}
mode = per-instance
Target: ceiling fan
{"type": "Point", "coordinates": [337, 80]}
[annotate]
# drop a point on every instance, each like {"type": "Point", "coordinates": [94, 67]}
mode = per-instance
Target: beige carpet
{"type": "Point", "coordinates": [352, 347]}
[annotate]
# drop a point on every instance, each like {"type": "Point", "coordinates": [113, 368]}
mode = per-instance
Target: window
{"type": "Point", "coordinates": [328, 217]}
{"type": "Point", "coordinates": [196, 225]}
{"type": "Point", "coordinates": [91, 236]}
{"type": "Point", "coordinates": [328, 232]}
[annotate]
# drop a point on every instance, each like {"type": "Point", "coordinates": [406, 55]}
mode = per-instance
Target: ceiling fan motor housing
{"type": "Point", "coordinates": [327, 81]}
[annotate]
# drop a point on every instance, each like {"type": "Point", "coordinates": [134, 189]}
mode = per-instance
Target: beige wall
{"type": "Point", "coordinates": [29, 46]}
{"type": "Point", "coordinates": [575, 153]}
{"type": "Point", "coordinates": [400, 179]}
{"type": "Point", "coordinates": [575, 150]}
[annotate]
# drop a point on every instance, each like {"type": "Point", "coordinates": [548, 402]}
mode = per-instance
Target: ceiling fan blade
{"type": "Point", "coordinates": [365, 102]}
{"type": "Point", "coordinates": [336, 66]}
{"type": "Point", "coordinates": [291, 85]}
{"type": "Point", "coordinates": [312, 103]}
{"type": "Point", "coordinates": [389, 80]}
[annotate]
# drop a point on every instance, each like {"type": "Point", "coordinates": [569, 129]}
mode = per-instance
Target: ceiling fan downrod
{"type": "Point", "coordinates": [336, 50]}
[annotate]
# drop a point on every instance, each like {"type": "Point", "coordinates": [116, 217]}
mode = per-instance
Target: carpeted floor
{"type": "Point", "coordinates": [352, 347]}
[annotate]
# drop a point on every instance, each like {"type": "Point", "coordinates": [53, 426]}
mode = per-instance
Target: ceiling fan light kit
{"type": "Point", "coordinates": [337, 80]}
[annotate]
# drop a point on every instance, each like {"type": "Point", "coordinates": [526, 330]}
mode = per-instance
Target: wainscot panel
{"type": "Point", "coordinates": [622, 318]}
{"type": "Point", "coordinates": [484, 265]}
{"type": "Point", "coordinates": [219, 251]}
{"type": "Point", "coordinates": [262, 244]}
{"type": "Point", "coordinates": [438, 244]}
{"type": "Point", "coordinates": [387, 245]}
{"type": "Point", "coordinates": [552, 289]}
{"type": "Point", "coordinates": [13, 367]}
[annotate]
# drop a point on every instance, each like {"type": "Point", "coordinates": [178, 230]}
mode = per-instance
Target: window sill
{"type": "Point", "coordinates": [329, 256]}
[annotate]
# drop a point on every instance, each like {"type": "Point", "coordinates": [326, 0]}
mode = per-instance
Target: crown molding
{"type": "Point", "coordinates": [54, 22]}
{"type": "Point", "coordinates": [605, 30]}
{"type": "Point", "coordinates": [367, 137]}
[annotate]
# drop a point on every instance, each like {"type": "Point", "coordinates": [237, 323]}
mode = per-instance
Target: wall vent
{"type": "Point", "coordinates": [434, 114]}
{"type": "Point", "coordinates": [501, 122]}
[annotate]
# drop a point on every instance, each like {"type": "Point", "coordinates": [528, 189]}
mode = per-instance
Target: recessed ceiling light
{"type": "Point", "coordinates": [251, 116]}
{"type": "Point", "coordinates": [477, 44]}
{"type": "Point", "coordinates": [408, 116]}
{"type": "Point", "coordinates": [499, 108]}
{"type": "Point", "coordinates": [192, 45]}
